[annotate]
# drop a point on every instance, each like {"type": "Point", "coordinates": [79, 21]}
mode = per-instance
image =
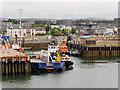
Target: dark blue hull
{"type": "Point", "coordinates": [43, 66]}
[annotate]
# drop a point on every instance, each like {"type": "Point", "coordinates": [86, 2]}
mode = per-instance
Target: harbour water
{"type": "Point", "coordinates": [97, 74]}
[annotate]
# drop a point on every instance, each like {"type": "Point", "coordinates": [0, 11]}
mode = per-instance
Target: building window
{"type": "Point", "coordinates": [20, 33]}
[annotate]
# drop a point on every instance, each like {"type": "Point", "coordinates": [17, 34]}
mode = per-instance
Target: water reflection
{"type": "Point", "coordinates": [99, 59]}
{"type": "Point", "coordinates": [16, 78]}
{"type": "Point", "coordinates": [81, 62]}
{"type": "Point", "coordinates": [86, 73]}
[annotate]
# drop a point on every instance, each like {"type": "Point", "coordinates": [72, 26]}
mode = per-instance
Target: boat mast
{"type": "Point", "coordinates": [48, 53]}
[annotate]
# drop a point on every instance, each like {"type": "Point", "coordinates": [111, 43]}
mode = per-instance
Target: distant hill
{"type": "Point", "coordinates": [99, 19]}
{"type": "Point", "coordinates": [29, 18]}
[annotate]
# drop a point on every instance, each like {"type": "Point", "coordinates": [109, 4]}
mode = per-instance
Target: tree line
{"type": "Point", "coordinates": [55, 31]}
{"type": "Point", "coordinates": [14, 21]}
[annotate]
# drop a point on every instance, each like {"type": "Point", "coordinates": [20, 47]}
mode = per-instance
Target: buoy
{"type": "Point", "coordinates": [20, 49]}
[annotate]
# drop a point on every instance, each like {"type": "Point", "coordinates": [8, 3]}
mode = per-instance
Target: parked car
{"type": "Point", "coordinates": [34, 39]}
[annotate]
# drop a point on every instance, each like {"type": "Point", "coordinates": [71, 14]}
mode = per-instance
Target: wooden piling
{"type": "Point", "coordinates": [22, 67]}
{"type": "Point", "coordinates": [19, 67]}
{"type": "Point", "coordinates": [3, 67]}
{"type": "Point", "coordinates": [10, 67]}
{"type": "Point", "coordinates": [89, 54]}
{"type": "Point", "coordinates": [30, 67]}
{"type": "Point", "coordinates": [118, 53]}
{"type": "Point", "coordinates": [6, 66]}
{"type": "Point", "coordinates": [16, 67]}
{"type": "Point", "coordinates": [13, 68]}
{"type": "Point", "coordinates": [27, 67]}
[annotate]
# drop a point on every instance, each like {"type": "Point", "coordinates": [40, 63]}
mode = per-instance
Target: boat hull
{"type": "Point", "coordinates": [68, 64]}
{"type": "Point", "coordinates": [43, 67]}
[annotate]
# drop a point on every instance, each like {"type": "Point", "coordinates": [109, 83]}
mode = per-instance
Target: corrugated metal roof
{"type": "Point", "coordinates": [86, 36]}
{"type": "Point", "coordinates": [86, 24]}
{"type": "Point", "coordinates": [102, 28]}
{"type": "Point", "coordinates": [40, 28]}
{"type": "Point", "coordinates": [15, 26]}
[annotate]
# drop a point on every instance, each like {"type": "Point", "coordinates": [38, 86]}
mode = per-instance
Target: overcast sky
{"type": "Point", "coordinates": [61, 9]}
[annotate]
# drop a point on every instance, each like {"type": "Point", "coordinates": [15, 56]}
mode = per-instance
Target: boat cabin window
{"type": "Point", "coordinates": [64, 54]}
{"type": "Point", "coordinates": [52, 47]}
{"type": "Point", "coordinates": [63, 47]}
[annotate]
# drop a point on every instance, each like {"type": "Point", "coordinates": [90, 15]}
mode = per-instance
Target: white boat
{"type": "Point", "coordinates": [15, 46]}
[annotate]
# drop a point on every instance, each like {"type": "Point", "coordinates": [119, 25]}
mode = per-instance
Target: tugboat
{"type": "Point", "coordinates": [65, 55]}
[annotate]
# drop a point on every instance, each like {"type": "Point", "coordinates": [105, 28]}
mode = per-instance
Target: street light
{"type": "Point", "coordinates": [20, 25]}
{"type": "Point", "coordinates": [49, 29]}
{"type": "Point", "coordinates": [20, 17]}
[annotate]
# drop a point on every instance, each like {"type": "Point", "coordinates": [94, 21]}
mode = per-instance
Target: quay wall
{"type": "Point", "coordinates": [15, 68]}
{"type": "Point", "coordinates": [87, 51]}
{"type": "Point", "coordinates": [100, 52]}
{"type": "Point", "coordinates": [9, 67]}
{"type": "Point", "coordinates": [14, 62]}
{"type": "Point", "coordinates": [36, 46]}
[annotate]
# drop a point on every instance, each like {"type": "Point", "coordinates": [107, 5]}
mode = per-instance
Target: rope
{"type": "Point", "coordinates": [35, 68]}
{"type": "Point", "coordinates": [57, 68]}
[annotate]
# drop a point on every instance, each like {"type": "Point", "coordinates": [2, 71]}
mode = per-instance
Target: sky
{"type": "Point", "coordinates": [59, 0]}
{"type": "Point", "coordinates": [60, 9]}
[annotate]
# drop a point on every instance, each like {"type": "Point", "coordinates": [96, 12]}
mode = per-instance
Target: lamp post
{"type": "Point", "coordinates": [20, 25]}
{"type": "Point", "coordinates": [49, 29]}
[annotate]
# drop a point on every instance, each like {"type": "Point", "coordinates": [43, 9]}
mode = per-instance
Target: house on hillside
{"type": "Point", "coordinates": [40, 30]}
{"type": "Point", "coordinates": [15, 29]}
{"type": "Point", "coordinates": [29, 31]}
